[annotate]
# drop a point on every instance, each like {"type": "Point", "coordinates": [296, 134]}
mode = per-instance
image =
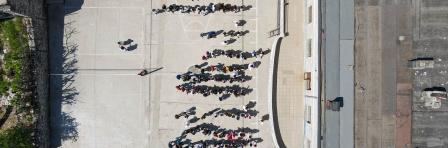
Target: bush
{"type": "Point", "coordinates": [4, 86]}
{"type": "Point", "coordinates": [14, 36]}
{"type": "Point", "coordinates": [16, 137]}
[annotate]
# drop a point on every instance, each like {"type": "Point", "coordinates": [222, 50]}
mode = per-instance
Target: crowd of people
{"type": "Point", "coordinates": [205, 90]}
{"type": "Point", "coordinates": [237, 70]}
{"type": "Point", "coordinates": [192, 78]}
{"type": "Point", "coordinates": [216, 143]}
{"type": "Point", "coordinates": [197, 75]}
{"type": "Point", "coordinates": [237, 113]}
{"type": "Point", "coordinates": [220, 67]}
{"type": "Point", "coordinates": [231, 53]}
{"type": "Point", "coordinates": [186, 113]}
{"type": "Point", "coordinates": [201, 9]}
{"type": "Point", "coordinates": [221, 137]}
{"type": "Point", "coordinates": [231, 33]}
{"type": "Point", "coordinates": [246, 112]}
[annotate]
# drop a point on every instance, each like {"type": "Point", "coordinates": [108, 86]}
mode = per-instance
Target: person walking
{"type": "Point", "coordinates": [238, 23]}
{"type": "Point", "coordinates": [225, 42]}
{"type": "Point", "coordinates": [143, 72]}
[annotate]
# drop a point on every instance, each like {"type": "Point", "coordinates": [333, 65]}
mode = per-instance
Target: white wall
{"type": "Point", "coordinates": [312, 65]}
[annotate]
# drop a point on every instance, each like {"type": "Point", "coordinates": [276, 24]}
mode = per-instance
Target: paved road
{"type": "Point", "coordinates": [383, 83]}
{"type": "Point", "coordinates": [338, 55]}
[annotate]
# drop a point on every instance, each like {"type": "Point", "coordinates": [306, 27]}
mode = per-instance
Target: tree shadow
{"type": "Point", "coordinates": [69, 68]}
{"type": "Point", "coordinates": [63, 71]}
{"type": "Point", "coordinates": [62, 91]}
{"type": "Point", "coordinates": [69, 127]}
{"type": "Point", "coordinates": [72, 6]}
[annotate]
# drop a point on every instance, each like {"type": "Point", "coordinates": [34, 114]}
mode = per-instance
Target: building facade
{"type": "Point", "coordinates": [311, 75]}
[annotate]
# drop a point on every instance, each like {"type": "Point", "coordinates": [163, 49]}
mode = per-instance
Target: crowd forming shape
{"type": "Point", "coordinates": [233, 74]}
{"type": "Point", "coordinates": [221, 137]}
{"type": "Point", "coordinates": [230, 53]}
{"type": "Point", "coordinates": [201, 9]}
{"type": "Point", "coordinates": [246, 112]}
{"type": "Point", "coordinates": [230, 33]}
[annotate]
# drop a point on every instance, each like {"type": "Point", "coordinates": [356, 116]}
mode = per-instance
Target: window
{"type": "Point", "coordinates": [308, 114]}
{"type": "Point", "coordinates": [308, 47]}
{"type": "Point", "coordinates": [308, 143]}
{"type": "Point", "coordinates": [308, 84]}
{"type": "Point", "coordinates": [310, 14]}
{"type": "Point", "coordinates": [307, 78]}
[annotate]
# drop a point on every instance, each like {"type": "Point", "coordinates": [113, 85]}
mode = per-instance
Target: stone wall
{"type": "Point", "coordinates": [36, 10]}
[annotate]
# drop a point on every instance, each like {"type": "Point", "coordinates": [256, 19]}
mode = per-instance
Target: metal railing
{"type": "Point", "coordinates": [276, 31]}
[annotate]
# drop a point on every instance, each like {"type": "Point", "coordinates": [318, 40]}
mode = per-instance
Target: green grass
{"type": "Point", "coordinates": [13, 38]}
{"type": "Point", "coordinates": [14, 35]}
{"type": "Point", "coordinates": [16, 137]}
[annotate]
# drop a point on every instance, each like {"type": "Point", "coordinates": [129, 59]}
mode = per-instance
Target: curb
{"type": "Point", "coordinates": [270, 88]}
{"type": "Point", "coordinates": [272, 67]}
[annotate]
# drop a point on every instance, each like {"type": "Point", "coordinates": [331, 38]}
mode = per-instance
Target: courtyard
{"type": "Point", "coordinates": [98, 100]}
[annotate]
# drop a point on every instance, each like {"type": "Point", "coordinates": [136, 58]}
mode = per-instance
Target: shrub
{"type": "Point", "coordinates": [16, 137]}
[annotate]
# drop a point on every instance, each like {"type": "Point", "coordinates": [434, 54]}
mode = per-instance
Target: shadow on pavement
{"type": "Point", "coordinates": [63, 71]}
{"type": "Point", "coordinates": [278, 135]}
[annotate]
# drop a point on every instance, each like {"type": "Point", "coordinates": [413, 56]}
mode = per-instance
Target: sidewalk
{"type": "Point", "coordinates": [289, 82]}
{"type": "Point", "coordinates": [338, 72]}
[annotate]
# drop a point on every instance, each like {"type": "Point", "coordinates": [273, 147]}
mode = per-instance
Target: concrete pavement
{"type": "Point", "coordinates": [338, 81]}
{"type": "Point", "coordinates": [382, 93]}
{"type": "Point", "coordinates": [289, 83]}
{"type": "Point", "coordinates": [98, 98]}
{"type": "Point", "coordinates": [428, 39]}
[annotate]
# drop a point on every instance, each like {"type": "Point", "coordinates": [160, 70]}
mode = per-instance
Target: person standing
{"type": "Point", "coordinates": [254, 54]}
{"type": "Point", "coordinates": [121, 45]}
{"type": "Point", "coordinates": [225, 42]}
{"type": "Point", "coordinates": [251, 65]}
